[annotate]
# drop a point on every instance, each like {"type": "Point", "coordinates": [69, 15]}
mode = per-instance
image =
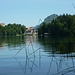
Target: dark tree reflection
{"type": "Point", "coordinates": [64, 45]}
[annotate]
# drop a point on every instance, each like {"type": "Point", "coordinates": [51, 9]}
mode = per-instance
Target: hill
{"type": "Point", "coordinates": [48, 19]}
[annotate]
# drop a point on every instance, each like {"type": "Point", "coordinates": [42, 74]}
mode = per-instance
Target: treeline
{"type": "Point", "coordinates": [63, 25]}
{"type": "Point", "coordinates": [12, 30]}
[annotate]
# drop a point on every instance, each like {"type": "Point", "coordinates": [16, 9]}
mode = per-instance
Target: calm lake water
{"type": "Point", "coordinates": [37, 56]}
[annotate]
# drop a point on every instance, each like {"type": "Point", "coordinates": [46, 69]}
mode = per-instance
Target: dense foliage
{"type": "Point", "coordinates": [63, 25]}
{"type": "Point", "coordinates": [12, 30]}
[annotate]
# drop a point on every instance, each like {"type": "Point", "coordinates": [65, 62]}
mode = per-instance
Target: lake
{"type": "Point", "coordinates": [33, 55]}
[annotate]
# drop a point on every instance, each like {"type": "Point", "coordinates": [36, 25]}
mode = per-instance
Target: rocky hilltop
{"type": "Point", "coordinates": [48, 19]}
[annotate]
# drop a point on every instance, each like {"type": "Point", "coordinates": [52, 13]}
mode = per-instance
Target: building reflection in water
{"type": "Point", "coordinates": [60, 54]}
{"type": "Point", "coordinates": [57, 61]}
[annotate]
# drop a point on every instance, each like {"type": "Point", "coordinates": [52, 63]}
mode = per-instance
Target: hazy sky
{"type": "Point", "coordinates": [28, 12]}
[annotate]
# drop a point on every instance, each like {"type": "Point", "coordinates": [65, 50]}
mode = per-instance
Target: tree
{"type": "Point", "coordinates": [63, 25]}
{"type": "Point", "coordinates": [23, 29]}
{"type": "Point", "coordinates": [12, 29]}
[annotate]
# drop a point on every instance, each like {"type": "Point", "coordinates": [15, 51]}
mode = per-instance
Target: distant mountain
{"type": "Point", "coordinates": [36, 27]}
{"type": "Point", "coordinates": [48, 19]}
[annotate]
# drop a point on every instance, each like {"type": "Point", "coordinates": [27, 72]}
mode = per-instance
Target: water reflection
{"type": "Point", "coordinates": [63, 53]}
{"type": "Point", "coordinates": [2, 42]}
{"type": "Point", "coordinates": [42, 56]}
{"type": "Point", "coordinates": [58, 45]}
{"type": "Point", "coordinates": [12, 42]}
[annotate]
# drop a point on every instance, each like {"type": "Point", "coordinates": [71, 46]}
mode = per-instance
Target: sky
{"type": "Point", "coordinates": [28, 12]}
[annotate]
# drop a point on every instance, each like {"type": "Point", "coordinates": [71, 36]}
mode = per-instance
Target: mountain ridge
{"type": "Point", "coordinates": [48, 19]}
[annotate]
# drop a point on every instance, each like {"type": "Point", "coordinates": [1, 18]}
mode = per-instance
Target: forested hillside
{"type": "Point", "coordinates": [12, 30]}
{"type": "Point", "coordinates": [48, 19]}
{"type": "Point", "coordinates": [63, 25]}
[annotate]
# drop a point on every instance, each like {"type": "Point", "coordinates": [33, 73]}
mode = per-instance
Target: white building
{"type": "Point", "coordinates": [2, 24]}
{"type": "Point", "coordinates": [31, 31]}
